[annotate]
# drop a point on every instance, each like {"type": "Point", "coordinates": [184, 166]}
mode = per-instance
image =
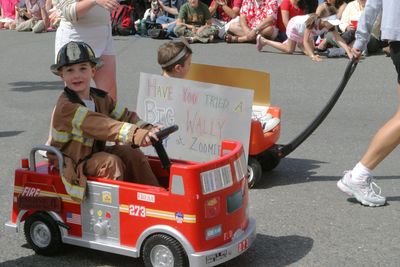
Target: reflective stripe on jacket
{"type": "Point", "coordinates": [79, 132]}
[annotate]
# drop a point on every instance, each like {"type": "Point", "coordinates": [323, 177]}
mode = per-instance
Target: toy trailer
{"type": "Point", "coordinates": [264, 153]}
{"type": "Point", "coordinates": [200, 217]}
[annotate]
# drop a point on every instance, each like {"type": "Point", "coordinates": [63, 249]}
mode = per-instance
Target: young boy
{"type": "Point", "coordinates": [85, 118]}
{"type": "Point", "coordinates": [175, 58]}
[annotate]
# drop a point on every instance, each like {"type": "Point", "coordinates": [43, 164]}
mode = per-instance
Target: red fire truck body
{"type": "Point", "coordinates": [203, 209]}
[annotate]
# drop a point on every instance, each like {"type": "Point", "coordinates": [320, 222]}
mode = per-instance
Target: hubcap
{"type": "Point", "coordinates": [251, 174]}
{"type": "Point", "coordinates": [40, 234]}
{"type": "Point", "coordinates": [161, 255]}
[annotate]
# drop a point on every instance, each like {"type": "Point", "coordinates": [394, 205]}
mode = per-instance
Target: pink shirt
{"type": "Point", "coordinates": [8, 8]}
{"type": "Point", "coordinates": [35, 7]}
{"type": "Point", "coordinates": [257, 10]}
{"type": "Point", "coordinates": [220, 11]}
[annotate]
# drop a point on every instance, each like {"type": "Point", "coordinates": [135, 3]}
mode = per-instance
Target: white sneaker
{"type": "Point", "coordinates": [270, 124]}
{"type": "Point", "coordinates": [363, 191]}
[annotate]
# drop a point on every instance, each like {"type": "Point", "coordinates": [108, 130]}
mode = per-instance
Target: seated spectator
{"type": "Point", "coordinates": [8, 16]}
{"type": "Point", "coordinates": [256, 17]}
{"type": "Point", "coordinates": [348, 26]}
{"type": "Point", "coordinates": [340, 5]}
{"type": "Point", "coordinates": [38, 20]}
{"type": "Point", "coordinates": [223, 12]}
{"type": "Point", "coordinates": [171, 10]}
{"type": "Point", "coordinates": [194, 23]}
{"type": "Point", "coordinates": [287, 10]}
{"type": "Point", "coordinates": [302, 30]}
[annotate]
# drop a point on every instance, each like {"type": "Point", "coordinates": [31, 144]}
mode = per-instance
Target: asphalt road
{"type": "Point", "coordinates": [302, 218]}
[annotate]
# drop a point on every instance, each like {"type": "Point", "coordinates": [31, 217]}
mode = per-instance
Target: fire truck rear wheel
{"type": "Point", "coordinates": [42, 234]}
{"type": "Point", "coordinates": [255, 172]}
{"type": "Point", "coordinates": [163, 250]}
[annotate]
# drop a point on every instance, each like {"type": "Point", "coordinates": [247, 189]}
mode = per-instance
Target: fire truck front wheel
{"type": "Point", "coordinates": [164, 250]}
{"type": "Point", "coordinates": [42, 234]}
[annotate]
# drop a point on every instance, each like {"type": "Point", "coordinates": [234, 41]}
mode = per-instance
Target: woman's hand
{"type": "Point", "coordinates": [107, 4]}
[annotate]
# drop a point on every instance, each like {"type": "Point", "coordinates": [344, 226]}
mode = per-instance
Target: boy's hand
{"type": "Point", "coordinates": [147, 141]}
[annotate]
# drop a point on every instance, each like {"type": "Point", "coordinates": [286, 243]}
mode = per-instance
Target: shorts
{"type": "Point", "coordinates": [395, 55]}
{"type": "Point", "coordinates": [98, 37]}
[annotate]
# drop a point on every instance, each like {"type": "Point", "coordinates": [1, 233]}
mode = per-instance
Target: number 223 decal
{"type": "Point", "coordinates": [135, 210]}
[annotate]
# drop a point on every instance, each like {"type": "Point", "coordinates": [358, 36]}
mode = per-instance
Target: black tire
{"type": "Point", "coordinates": [42, 234]}
{"type": "Point", "coordinates": [173, 254]}
{"type": "Point", "coordinates": [268, 161]}
{"type": "Point", "coordinates": [254, 171]}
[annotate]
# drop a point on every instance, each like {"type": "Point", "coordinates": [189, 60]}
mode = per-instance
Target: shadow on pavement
{"type": "Point", "coordinates": [274, 251]}
{"type": "Point", "coordinates": [9, 133]}
{"type": "Point", "coordinates": [26, 86]}
{"type": "Point", "coordinates": [74, 256]}
{"type": "Point", "coordinates": [295, 171]}
{"type": "Point", "coordinates": [266, 251]}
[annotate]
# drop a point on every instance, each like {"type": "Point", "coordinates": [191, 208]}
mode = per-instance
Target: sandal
{"type": "Point", "coordinates": [259, 45]}
{"type": "Point", "coordinates": [231, 38]}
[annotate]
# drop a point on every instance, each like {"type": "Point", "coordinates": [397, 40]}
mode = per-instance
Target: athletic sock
{"type": "Point", "coordinates": [360, 172]}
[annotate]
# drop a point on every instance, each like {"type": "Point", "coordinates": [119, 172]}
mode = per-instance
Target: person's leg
{"type": "Point", "coordinates": [236, 29]}
{"type": "Point", "coordinates": [105, 77]}
{"type": "Point", "coordinates": [25, 26]}
{"type": "Point", "coordinates": [269, 32]}
{"type": "Point", "coordinates": [288, 46]}
{"type": "Point", "coordinates": [38, 27]}
{"type": "Point", "coordinates": [384, 142]}
{"type": "Point", "coordinates": [105, 165]}
{"type": "Point", "coordinates": [138, 169]}
{"type": "Point", "coordinates": [358, 182]}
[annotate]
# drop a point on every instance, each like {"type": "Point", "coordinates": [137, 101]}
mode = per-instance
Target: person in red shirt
{"type": "Point", "coordinates": [256, 17]}
{"type": "Point", "coordinates": [224, 11]}
{"type": "Point", "coordinates": [287, 10]}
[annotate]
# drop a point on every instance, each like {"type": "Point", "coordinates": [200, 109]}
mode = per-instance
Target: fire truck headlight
{"type": "Point", "coordinates": [213, 232]}
{"type": "Point", "coordinates": [212, 207]}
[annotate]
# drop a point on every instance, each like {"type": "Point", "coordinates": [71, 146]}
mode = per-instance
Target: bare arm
{"type": "Point", "coordinates": [169, 10]}
{"type": "Point", "coordinates": [285, 17]}
{"type": "Point", "coordinates": [243, 24]}
{"type": "Point", "coordinates": [213, 7]}
{"type": "Point", "coordinates": [45, 18]}
{"type": "Point", "coordinates": [181, 22]}
{"type": "Point", "coordinates": [82, 7]}
{"type": "Point", "coordinates": [308, 49]}
{"type": "Point", "coordinates": [231, 12]}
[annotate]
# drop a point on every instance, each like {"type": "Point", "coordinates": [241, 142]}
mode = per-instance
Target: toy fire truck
{"type": "Point", "coordinates": [199, 218]}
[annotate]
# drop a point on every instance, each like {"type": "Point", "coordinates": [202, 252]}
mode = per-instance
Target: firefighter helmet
{"type": "Point", "coordinates": [73, 53]}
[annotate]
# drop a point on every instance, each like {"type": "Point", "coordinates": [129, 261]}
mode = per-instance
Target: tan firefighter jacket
{"type": "Point", "coordinates": [79, 132]}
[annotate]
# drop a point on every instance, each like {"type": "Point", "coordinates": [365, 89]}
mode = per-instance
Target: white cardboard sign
{"type": "Point", "coordinates": [205, 113]}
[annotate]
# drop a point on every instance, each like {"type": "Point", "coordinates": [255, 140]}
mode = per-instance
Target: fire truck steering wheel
{"type": "Point", "coordinates": [158, 146]}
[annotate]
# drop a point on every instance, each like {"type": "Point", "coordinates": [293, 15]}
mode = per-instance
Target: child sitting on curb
{"type": "Point", "coordinates": [85, 118]}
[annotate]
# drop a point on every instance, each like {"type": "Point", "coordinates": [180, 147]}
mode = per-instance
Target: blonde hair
{"type": "Point", "coordinates": [312, 19]}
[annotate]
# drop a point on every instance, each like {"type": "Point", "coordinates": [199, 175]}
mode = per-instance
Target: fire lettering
{"type": "Point", "coordinates": [30, 192]}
